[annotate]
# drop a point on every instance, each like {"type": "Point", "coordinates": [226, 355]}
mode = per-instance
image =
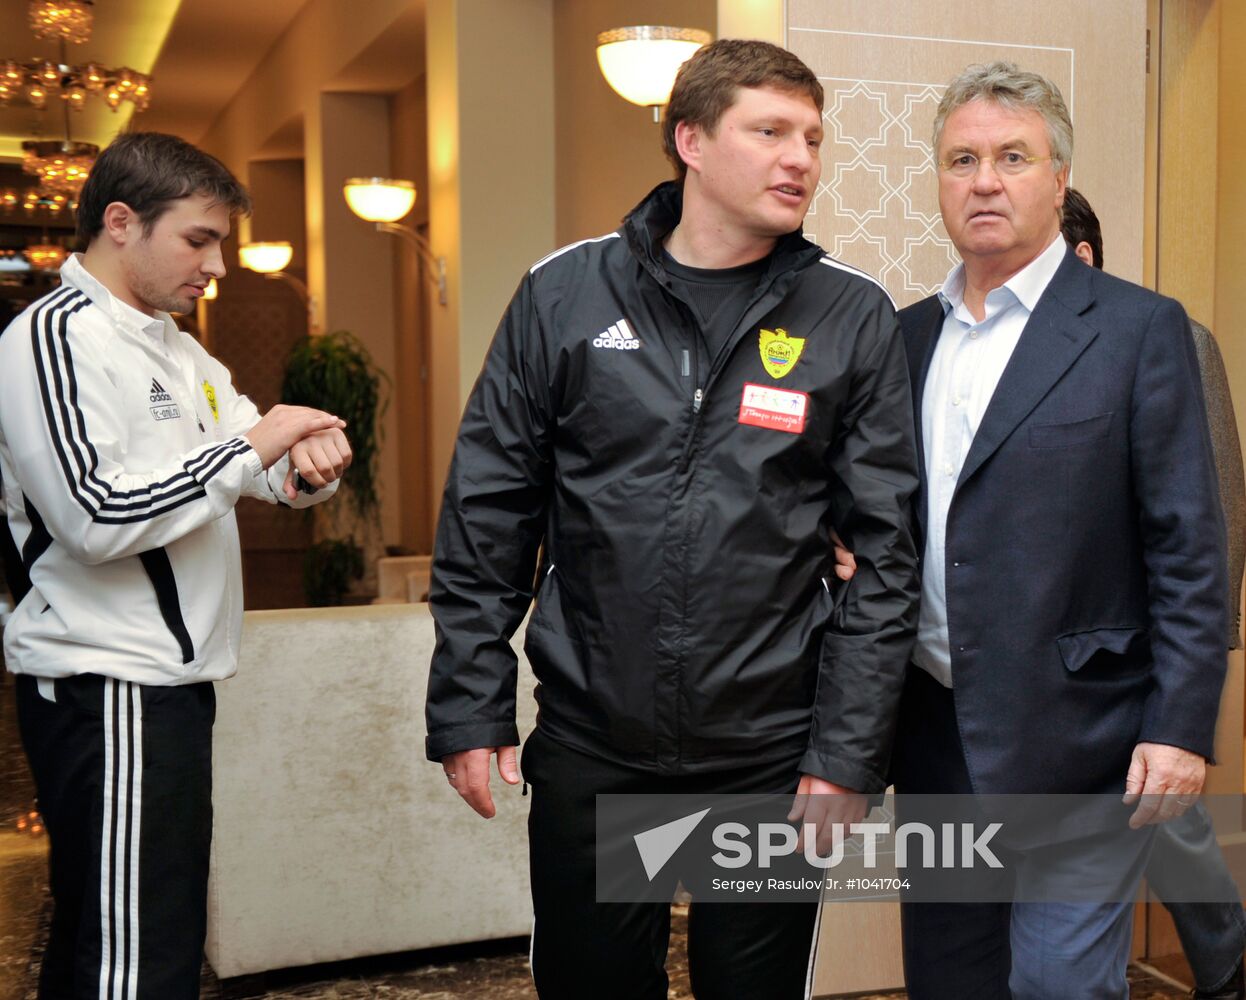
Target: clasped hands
{"type": "Point", "coordinates": [314, 440]}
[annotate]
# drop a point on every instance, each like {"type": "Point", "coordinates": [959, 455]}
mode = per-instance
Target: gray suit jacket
{"type": "Point", "coordinates": [1228, 456]}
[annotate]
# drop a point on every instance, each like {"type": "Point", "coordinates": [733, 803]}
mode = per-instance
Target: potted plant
{"type": "Point", "coordinates": [335, 372]}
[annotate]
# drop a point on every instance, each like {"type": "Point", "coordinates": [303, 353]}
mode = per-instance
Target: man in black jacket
{"type": "Point", "coordinates": [673, 416]}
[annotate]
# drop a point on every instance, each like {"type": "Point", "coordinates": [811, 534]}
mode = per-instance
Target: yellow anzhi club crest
{"type": "Point", "coordinates": [779, 352]}
{"type": "Point", "coordinates": [209, 392]}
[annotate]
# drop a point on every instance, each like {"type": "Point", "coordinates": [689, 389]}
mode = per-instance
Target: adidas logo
{"type": "Point", "coordinates": [158, 394]}
{"type": "Point", "coordinates": [619, 338]}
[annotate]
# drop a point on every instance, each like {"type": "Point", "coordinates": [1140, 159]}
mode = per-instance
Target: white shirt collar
{"type": "Point", "coordinates": [1027, 285]}
{"type": "Point", "coordinates": [74, 274]}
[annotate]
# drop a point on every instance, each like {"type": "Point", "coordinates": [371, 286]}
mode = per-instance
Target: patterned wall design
{"type": "Point", "coordinates": [874, 207]}
{"type": "Point", "coordinates": [877, 206]}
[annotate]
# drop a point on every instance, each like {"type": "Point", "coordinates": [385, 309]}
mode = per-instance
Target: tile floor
{"type": "Point", "coordinates": [494, 971]}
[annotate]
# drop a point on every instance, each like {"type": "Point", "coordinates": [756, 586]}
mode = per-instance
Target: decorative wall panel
{"type": "Point", "coordinates": [885, 69]}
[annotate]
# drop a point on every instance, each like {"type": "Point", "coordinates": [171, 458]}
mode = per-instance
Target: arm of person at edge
{"type": "Point", "coordinates": [489, 534]}
{"type": "Point", "coordinates": [1184, 546]}
{"type": "Point", "coordinates": [1164, 779]}
{"type": "Point", "coordinates": [870, 634]}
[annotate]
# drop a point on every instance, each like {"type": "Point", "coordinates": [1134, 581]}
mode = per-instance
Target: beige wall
{"type": "Point", "coordinates": [609, 152]}
{"type": "Point", "coordinates": [885, 71]}
{"type": "Point", "coordinates": [1186, 243]}
{"type": "Point", "coordinates": [409, 130]}
{"type": "Point", "coordinates": [349, 267]}
{"type": "Point", "coordinates": [491, 181]}
{"type": "Point", "coordinates": [1230, 306]}
{"type": "Point", "coordinates": [320, 44]}
{"type": "Point", "coordinates": [751, 19]}
{"type": "Point", "coordinates": [276, 188]}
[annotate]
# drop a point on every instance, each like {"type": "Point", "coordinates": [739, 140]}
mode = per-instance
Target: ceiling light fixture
{"type": "Point", "coordinates": [61, 166]}
{"type": "Point", "coordinates": [57, 20]}
{"type": "Point", "coordinates": [383, 201]}
{"type": "Point", "coordinates": [45, 256]}
{"type": "Point", "coordinates": [640, 62]}
{"type": "Point", "coordinates": [31, 200]}
{"type": "Point", "coordinates": [39, 81]}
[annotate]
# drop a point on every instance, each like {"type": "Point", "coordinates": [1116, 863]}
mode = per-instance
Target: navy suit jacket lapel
{"type": "Point", "coordinates": [930, 325]}
{"type": "Point", "coordinates": [1052, 340]}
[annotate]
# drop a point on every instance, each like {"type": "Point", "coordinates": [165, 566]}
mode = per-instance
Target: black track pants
{"type": "Point", "coordinates": [582, 948]}
{"type": "Point", "coordinates": [123, 775]}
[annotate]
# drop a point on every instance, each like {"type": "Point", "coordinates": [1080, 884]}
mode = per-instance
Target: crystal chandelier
{"type": "Point", "coordinates": [57, 20]}
{"type": "Point", "coordinates": [45, 256]}
{"type": "Point", "coordinates": [61, 167]}
{"type": "Point", "coordinates": [39, 82]}
{"type": "Point", "coordinates": [31, 200]}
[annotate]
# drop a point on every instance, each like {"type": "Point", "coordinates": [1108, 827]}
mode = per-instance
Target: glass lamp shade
{"type": "Point", "coordinates": [266, 258]}
{"type": "Point", "coordinates": [640, 62]}
{"type": "Point", "coordinates": [379, 199]}
{"type": "Point", "coordinates": [212, 291]}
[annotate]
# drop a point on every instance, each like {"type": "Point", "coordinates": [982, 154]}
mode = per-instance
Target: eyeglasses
{"type": "Point", "coordinates": [1007, 164]}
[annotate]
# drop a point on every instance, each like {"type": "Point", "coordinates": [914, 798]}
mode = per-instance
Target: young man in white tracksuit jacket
{"type": "Point", "coordinates": [123, 449]}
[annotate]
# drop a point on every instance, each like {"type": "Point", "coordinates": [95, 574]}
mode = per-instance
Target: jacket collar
{"type": "Point", "coordinates": [125, 316]}
{"type": "Point", "coordinates": [1053, 339]}
{"type": "Point", "coordinates": [649, 223]}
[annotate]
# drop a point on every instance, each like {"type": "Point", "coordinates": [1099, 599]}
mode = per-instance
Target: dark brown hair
{"type": "Point", "coordinates": [148, 171]}
{"type": "Point", "coordinates": [706, 84]}
{"type": "Point", "coordinates": [1078, 223]}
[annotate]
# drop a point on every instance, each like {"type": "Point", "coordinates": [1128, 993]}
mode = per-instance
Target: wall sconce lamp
{"type": "Point", "coordinates": [384, 201]}
{"type": "Point", "coordinates": [270, 260]}
{"type": "Point", "coordinates": [640, 62]}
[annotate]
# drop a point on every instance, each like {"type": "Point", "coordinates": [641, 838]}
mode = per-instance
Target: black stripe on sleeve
{"type": "Point", "coordinates": [77, 455]}
{"type": "Point", "coordinates": [38, 540]}
{"type": "Point", "coordinates": [160, 572]}
{"type": "Point", "coordinates": [49, 407]}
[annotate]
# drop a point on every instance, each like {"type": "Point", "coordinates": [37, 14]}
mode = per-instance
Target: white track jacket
{"type": "Point", "coordinates": [122, 458]}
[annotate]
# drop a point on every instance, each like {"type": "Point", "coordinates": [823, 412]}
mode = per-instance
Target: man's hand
{"type": "Point", "coordinates": [845, 561]}
{"type": "Point", "coordinates": [824, 803]}
{"type": "Point", "coordinates": [284, 426]}
{"type": "Point", "coordinates": [468, 773]}
{"type": "Point", "coordinates": [320, 458]}
{"type": "Point", "coordinates": [1164, 780]}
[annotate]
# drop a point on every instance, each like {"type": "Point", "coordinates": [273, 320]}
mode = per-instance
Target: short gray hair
{"type": "Point", "coordinates": [1017, 90]}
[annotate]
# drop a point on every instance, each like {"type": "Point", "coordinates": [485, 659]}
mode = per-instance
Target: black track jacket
{"type": "Point", "coordinates": [686, 618]}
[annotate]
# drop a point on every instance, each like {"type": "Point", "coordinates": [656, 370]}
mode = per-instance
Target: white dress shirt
{"type": "Point", "coordinates": [968, 361]}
